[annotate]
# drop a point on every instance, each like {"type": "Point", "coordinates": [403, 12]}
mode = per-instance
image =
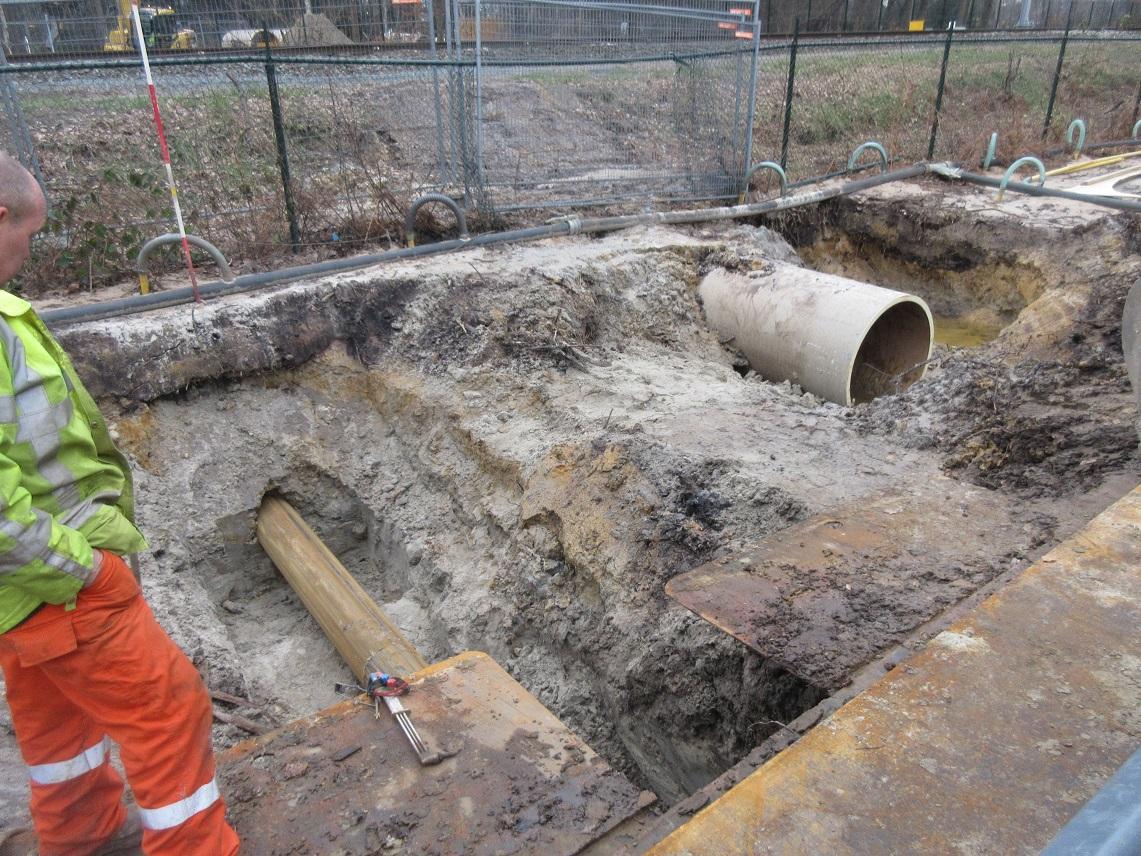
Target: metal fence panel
{"type": "Point", "coordinates": [594, 102]}
{"type": "Point", "coordinates": [565, 107]}
{"type": "Point", "coordinates": [839, 104]}
{"type": "Point", "coordinates": [997, 85]}
{"type": "Point", "coordinates": [363, 140]}
{"type": "Point", "coordinates": [1101, 84]}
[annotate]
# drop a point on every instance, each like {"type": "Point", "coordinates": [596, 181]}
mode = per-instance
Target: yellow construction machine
{"type": "Point", "coordinates": [161, 30]}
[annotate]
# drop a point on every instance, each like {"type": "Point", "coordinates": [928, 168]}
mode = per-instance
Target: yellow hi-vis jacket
{"type": "Point", "coordinates": [64, 487]}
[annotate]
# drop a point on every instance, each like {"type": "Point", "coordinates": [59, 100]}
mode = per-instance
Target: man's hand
{"type": "Point", "coordinates": [97, 558]}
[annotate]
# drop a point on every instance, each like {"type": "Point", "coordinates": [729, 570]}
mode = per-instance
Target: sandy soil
{"type": "Point", "coordinates": [514, 449]}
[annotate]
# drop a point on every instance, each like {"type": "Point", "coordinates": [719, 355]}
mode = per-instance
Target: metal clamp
{"type": "Point", "coordinates": [1080, 126]}
{"type": "Point", "coordinates": [859, 150]}
{"type": "Point", "coordinates": [755, 168]}
{"type": "Point", "coordinates": [991, 150]}
{"type": "Point", "coordinates": [1013, 168]}
{"type": "Point", "coordinates": [573, 221]}
{"type": "Point", "coordinates": [174, 238]}
{"type": "Point", "coordinates": [410, 218]}
{"type": "Point", "coordinates": [1136, 133]}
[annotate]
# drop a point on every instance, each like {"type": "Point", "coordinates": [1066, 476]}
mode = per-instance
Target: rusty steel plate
{"type": "Point", "coordinates": [986, 742]}
{"type": "Point", "coordinates": [826, 596]}
{"type": "Point", "coordinates": [346, 782]}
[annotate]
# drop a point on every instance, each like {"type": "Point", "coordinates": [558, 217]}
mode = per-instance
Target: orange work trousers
{"type": "Point", "coordinates": [106, 669]}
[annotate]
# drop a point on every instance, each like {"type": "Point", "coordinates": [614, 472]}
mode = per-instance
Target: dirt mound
{"type": "Point", "coordinates": [1037, 428]}
{"type": "Point", "coordinates": [315, 29]}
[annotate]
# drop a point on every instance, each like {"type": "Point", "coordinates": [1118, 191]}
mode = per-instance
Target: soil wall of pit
{"type": "Point", "coordinates": [514, 449]}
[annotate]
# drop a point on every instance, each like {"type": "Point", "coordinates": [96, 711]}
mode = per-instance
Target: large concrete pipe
{"type": "Point", "coordinates": [362, 634]}
{"type": "Point", "coordinates": [843, 340]}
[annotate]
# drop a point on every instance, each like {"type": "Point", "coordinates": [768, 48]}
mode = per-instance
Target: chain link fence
{"type": "Point", "coordinates": [283, 153]}
{"type": "Point", "coordinates": [59, 29]}
{"type": "Point", "coordinates": [593, 103]}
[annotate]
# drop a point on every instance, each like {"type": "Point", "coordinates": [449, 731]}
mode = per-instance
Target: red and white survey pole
{"type": "Point", "coordinates": [144, 284]}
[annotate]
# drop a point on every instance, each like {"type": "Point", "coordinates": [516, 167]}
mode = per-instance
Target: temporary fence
{"type": "Point", "coordinates": [515, 106]}
{"type": "Point", "coordinates": [72, 29]}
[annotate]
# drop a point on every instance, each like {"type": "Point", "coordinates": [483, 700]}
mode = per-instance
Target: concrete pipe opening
{"type": "Point", "coordinates": [843, 340]}
{"type": "Point", "coordinates": [894, 349]}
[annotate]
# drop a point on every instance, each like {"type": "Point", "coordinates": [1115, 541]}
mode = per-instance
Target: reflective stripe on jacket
{"type": "Point", "coordinates": [64, 487]}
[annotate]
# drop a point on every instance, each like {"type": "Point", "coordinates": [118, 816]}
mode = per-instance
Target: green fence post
{"type": "Point", "coordinates": [939, 93]}
{"type": "Point", "coordinates": [1136, 107]}
{"type": "Point", "coordinates": [1054, 86]}
{"type": "Point", "coordinates": [788, 94]}
{"type": "Point", "coordinates": [279, 136]}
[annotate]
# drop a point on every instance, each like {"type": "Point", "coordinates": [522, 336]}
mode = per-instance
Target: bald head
{"type": "Point", "coordinates": [19, 192]}
{"type": "Point", "coordinates": [22, 213]}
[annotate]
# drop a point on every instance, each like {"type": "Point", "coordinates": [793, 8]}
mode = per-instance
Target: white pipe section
{"type": "Point", "coordinates": [842, 340]}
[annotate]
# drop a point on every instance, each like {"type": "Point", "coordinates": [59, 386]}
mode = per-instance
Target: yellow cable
{"type": "Point", "coordinates": [1080, 166]}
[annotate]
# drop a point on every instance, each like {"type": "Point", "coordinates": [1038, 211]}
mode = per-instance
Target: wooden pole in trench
{"type": "Point", "coordinates": [363, 635]}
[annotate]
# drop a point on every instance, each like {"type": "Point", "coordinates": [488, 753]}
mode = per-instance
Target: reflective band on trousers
{"type": "Point", "coordinates": [63, 771]}
{"type": "Point", "coordinates": [179, 812]}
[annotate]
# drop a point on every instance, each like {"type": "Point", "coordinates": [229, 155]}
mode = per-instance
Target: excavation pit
{"type": "Point", "coordinates": [515, 450]}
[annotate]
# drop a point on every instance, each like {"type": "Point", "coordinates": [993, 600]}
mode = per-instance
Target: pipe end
{"type": "Point", "coordinates": [894, 352]}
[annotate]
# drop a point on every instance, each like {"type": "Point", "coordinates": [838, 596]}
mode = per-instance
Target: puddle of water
{"type": "Point", "coordinates": [963, 332]}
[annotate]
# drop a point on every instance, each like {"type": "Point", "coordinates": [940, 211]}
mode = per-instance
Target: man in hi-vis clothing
{"type": "Point", "coordinates": [84, 659]}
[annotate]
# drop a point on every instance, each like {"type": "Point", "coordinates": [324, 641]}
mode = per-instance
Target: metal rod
{"type": "Point", "coordinates": [754, 70]}
{"type": "Point", "coordinates": [1136, 106]}
{"type": "Point", "coordinates": [737, 129]}
{"type": "Point", "coordinates": [1054, 85]}
{"type": "Point", "coordinates": [788, 94]}
{"type": "Point", "coordinates": [160, 131]}
{"type": "Point", "coordinates": [454, 90]}
{"type": "Point", "coordinates": [939, 93]}
{"type": "Point", "coordinates": [822, 41]}
{"type": "Point", "coordinates": [470, 176]}
{"type": "Point", "coordinates": [282, 149]}
{"type": "Point", "coordinates": [482, 176]}
{"type": "Point", "coordinates": [430, 10]}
